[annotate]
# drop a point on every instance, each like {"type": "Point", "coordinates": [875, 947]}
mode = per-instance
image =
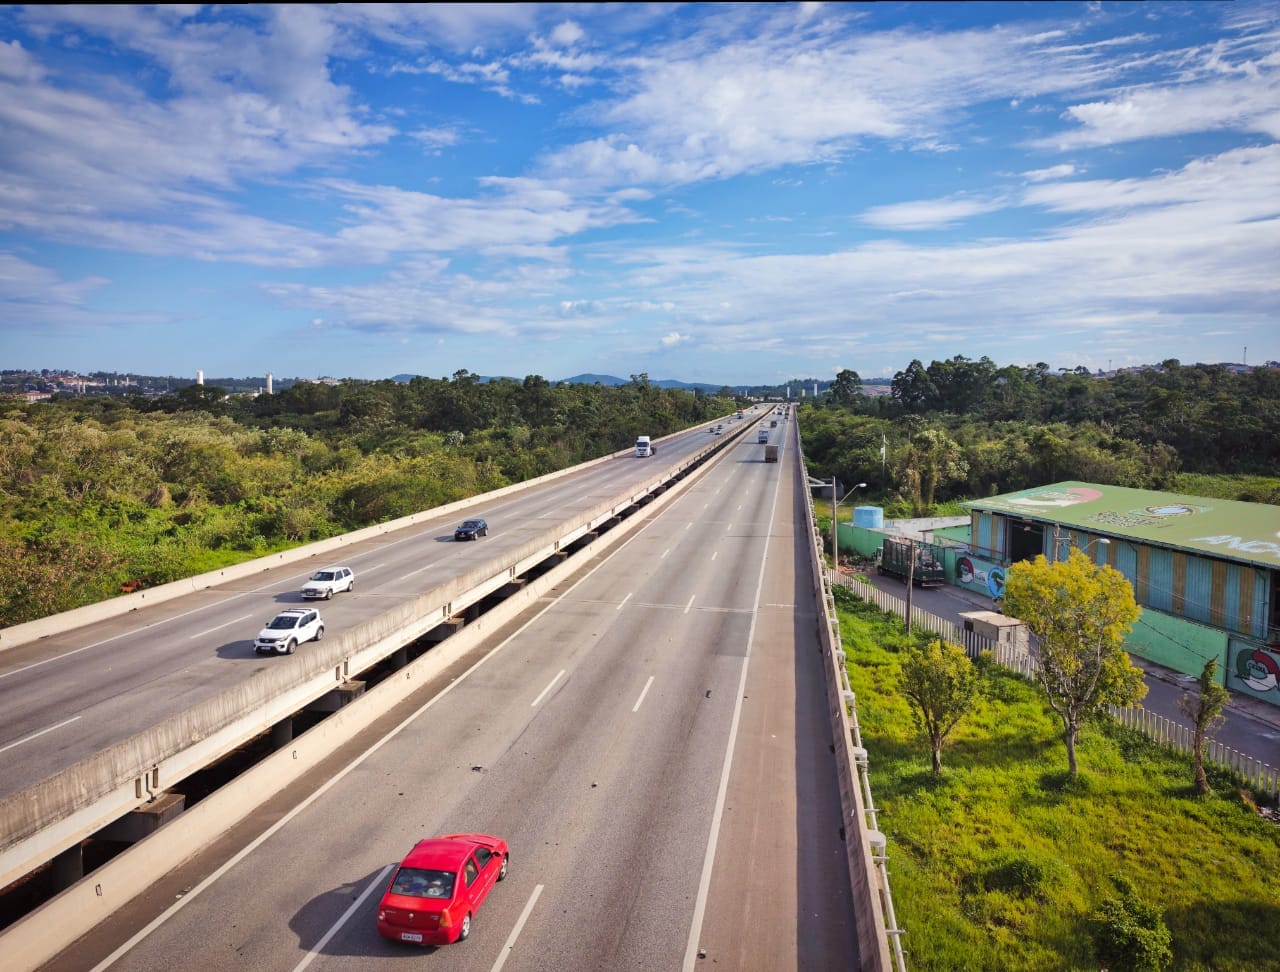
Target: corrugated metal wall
{"type": "Point", "coordinates": [1216, 592]}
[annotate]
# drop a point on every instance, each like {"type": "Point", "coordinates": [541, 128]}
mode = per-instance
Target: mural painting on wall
{"type": "Point", "coordinates": [981, 576]}
{"type": "Point", "coordinates": [1257, 671]}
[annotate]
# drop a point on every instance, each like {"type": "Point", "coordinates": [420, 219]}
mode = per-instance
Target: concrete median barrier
{"type": "Point", "coordinates": [66, 808]}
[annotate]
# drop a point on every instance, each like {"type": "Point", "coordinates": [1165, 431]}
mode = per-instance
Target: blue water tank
{"type": "Point", "coordinates": [871, 517]}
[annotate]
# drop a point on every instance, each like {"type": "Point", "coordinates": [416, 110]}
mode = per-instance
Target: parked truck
{"type": "Point", "coordinates": [919, 562]}
{"type": "Point", "coordinates": [770, 453]}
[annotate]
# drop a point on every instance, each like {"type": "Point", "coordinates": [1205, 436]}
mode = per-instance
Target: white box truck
{"type": "Point", "coordinates": [644, 448]}
{"type": "Point", "coordinates": [762, 435]}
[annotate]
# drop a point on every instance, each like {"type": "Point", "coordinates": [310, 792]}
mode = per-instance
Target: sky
{"type": "Point", "coordinates": [717, 193]}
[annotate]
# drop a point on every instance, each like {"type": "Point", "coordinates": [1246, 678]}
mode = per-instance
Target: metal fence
{"type": "Point", "coordinates": [1261, 777]}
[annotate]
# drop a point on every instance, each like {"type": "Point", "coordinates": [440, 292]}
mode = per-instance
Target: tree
{"type": "Point", "coordinates": [913, 389]}
{"type": "Point", "coordinates": [941, 684]}
{"type": "Point", "coordinates": [1205, 713]}
{"type": "Point", "coordinates": [1080, 612]}
{"type": "Point", "coordinates": [931, 458]}
{"type": "Point", "coordinates": [847, 387]}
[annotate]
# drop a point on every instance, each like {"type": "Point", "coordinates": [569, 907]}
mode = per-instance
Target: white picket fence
{"type": "Point", "coordinates": [1260, 777]}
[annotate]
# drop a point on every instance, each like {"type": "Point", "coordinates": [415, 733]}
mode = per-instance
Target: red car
{"type": "Point", "coordinates": [439, 886]}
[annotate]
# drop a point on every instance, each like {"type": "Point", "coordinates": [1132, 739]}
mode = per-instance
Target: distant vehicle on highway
{"type": "Point", "coordinates": [328, 582]}
{"type": "Point", "coordinates": [645, 447]}
{"type": "Point", "coordinates": [288, 629]}
{"type": "Point", "coordinates": [439, 886]}
{"type": "Point", "coordinates": [471, 530]}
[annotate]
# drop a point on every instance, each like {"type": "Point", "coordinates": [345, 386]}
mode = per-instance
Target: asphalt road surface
{"type": "Point", "coordinates": [651, 741]}
{"type": "Point", "coordinates": [74, 694]}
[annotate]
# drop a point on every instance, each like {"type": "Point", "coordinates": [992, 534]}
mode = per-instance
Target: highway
{"type": "Point", "coordinates": [71, 695]}
{"type": "Point", "coordinates": [651, 740]}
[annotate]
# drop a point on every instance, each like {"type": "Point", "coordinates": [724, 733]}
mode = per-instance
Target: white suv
{"type": "Point", "coordinates": [328, 582]}
{"type": "Point", "coordinates": [288, 629]}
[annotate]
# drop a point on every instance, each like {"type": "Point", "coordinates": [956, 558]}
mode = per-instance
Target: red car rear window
{"type": "Point", "coordinates": [421, 882]}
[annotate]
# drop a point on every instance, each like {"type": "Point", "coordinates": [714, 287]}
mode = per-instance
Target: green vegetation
{"type": "Point", "coordinates": [105, 494]}
{"type": "Point", "coordinates": [961, 429]}
{"type": "Point", "coordinates": [1005, 862]}
{"type": "Point", "coordinates": [1080, 613]}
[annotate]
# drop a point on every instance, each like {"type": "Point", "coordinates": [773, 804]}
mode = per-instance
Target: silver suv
{"type": "Point", "coordinates": [288, 629]}
{"type": "Point", "coordinates": [328, 582]}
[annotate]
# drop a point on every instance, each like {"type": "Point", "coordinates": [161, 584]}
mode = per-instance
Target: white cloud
{"type": "Point", "coordinates": [1053, 173]}
{"type": "Point", "coordinates": [675, 338]}
{"type": "Point", "coordinates": [927, 214]}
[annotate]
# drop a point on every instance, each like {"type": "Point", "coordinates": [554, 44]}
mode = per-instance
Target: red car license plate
{"type": "Point", "coordinates": [410, 937]}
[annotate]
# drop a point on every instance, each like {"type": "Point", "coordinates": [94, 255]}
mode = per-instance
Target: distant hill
{"type": "Point", "coordinates": [594, 379]}
{"type": "Point", "coordinates": [590, 379]}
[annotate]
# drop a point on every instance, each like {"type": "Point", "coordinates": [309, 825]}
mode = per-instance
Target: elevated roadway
{"type": "Point", "coordinates": [101, 716]}
{"type": "Point", "coordinates": [652, 740]}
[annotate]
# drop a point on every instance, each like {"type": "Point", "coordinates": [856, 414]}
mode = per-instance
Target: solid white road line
{"type": "Point", "coordinates": [219, 627]}
{"type": "Point", "coordinates": [127, 634]}
{"type": "Point", "coordinates": [708, 860]}
{"type": "Point", "coordinates": [39, 732]}
{"type": "Point", "coordinates": [515, 932]}
{"type": "Point", "coordinates": [315, 949]}
{"type": "Point", "coordinates": [550, 685]}
{"type": "Point", "coordinates": [643, 692]}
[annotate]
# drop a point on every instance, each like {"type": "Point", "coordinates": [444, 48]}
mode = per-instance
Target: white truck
{"type": "Point", "coordinates": [645, 448]}
{"type": "Point", "coordinates": [762, 436]}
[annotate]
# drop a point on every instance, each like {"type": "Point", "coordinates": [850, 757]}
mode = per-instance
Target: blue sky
{"type": "Point", "coordinates": [720, 193]}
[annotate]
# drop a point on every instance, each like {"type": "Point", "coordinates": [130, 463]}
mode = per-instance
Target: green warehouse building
{"type": "Point", "coordinates": [1206, 572]}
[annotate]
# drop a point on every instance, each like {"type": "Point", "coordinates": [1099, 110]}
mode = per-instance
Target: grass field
{"type": "Point", "coordinates": [998, 863]}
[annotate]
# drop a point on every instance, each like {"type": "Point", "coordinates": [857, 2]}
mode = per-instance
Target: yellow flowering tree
{"type": "Point", "coordinates": [1079, 612]}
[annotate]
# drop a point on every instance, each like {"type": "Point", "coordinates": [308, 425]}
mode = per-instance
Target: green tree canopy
{"type": "Point", "coordinates": [941, 684]}
{"type": "Point", "coordinates": [1080, 613]}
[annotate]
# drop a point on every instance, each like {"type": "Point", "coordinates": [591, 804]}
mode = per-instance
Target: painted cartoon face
{"type": "Point", "coordinates": [1176, 509]}
{"type": "Point", "coordinates": [1057, 497]}
{"type": "Point", "coordinates": [1259, 671]}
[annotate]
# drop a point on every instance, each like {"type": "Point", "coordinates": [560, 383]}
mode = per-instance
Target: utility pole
{"type": "Point", "coordinates": [835, 529]}
{"type": "Point", "coordinates": [911, 578]}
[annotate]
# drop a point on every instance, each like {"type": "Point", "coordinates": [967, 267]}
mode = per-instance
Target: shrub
{"type": "Point", "coordinates": [1022, 873]}
{"type": "Point", "coordinates": [1129, 935]}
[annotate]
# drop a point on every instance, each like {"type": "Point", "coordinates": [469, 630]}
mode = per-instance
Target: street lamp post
{"type": "Point", "coordinates": [835, 533]}
{"type": "Point", "coordinates": [1058, 538]}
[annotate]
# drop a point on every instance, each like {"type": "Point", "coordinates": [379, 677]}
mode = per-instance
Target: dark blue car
{"type": "Point", "coordinates": [471, 530]}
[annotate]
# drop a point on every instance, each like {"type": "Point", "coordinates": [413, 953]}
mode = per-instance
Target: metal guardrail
{"type": "Point", "coordinates": [868, 863]}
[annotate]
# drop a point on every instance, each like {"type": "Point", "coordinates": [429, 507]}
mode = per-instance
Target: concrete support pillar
{"type": "Point", "coordinates": [335, 699]}
{"type": "Point", "coordinates": [68, 868]}
{"type": "Point", "coordinates": [146, 820]}
{"type": "Point", "coordinates": [442, 631]}
{"type": "Point", "coordinates": [282, 733]}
